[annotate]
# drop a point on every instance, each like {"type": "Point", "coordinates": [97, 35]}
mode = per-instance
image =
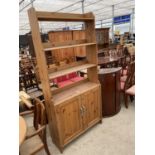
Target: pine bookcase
{"type": "Point", "coordinates": [73, 109]}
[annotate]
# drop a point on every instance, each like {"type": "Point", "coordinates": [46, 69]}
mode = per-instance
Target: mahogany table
{"type": "Point", "coordinates": [103, 61]}
{"type": "Point", "coordinates": [22, 130]}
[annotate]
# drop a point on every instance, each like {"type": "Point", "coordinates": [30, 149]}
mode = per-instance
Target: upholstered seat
{"type": "Point", "coordinates": [131, 90]}
{"type": "Point", "coordinates": [123, 78]}
{"type": "Point", "coordinates": [122, 85]}
{"type": "Point", "coordinates": [125, 72]}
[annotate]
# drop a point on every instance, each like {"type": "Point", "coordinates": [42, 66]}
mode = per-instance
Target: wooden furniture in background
{"type": "Point", "coordinates": [71, 110]}
{"type": "Point", "coordinates": [36, 134]}
{"type": "Point", "coordinates": [22, 130]}
{"type": "Point", "coordinates": [105, 62]}
{"type": "Point", "coordinates": [110, 84]}
{"type": "Point", "coordinates": [129, 80]}
{"type": "Point", "coordinates": [102, 38]}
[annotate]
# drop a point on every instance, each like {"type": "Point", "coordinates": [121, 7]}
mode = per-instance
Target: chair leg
{"type": "Point", "coordinates": [45, 144]}
{"type": "Point", "coordinates": [126, 100]}
{"type": "Point", "coordinates": [131, 98]}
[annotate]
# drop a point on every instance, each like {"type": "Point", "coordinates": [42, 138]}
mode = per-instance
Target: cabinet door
{"type": "Point", "coordinates": [92, 107]}
{"type": "Point", "coordinates": [68, 115]}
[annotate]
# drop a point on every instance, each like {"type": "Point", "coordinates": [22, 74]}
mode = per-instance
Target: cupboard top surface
{"type": "Point", "coordinates": [72, 92]}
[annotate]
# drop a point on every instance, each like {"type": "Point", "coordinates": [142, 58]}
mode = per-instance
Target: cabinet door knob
{"type": "Point", "coordinates": [113, 75]}
{"type": "Point", "coordinates": [84, 108]}
{"type": "Point", "coordinates": [81, 111]}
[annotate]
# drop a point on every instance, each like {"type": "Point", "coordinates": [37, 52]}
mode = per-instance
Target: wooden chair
{"type": "Point", "coordinates": [36, 135]}
{"type": "Point", "coordinates": [129, 79]}
{"type": "Point", "coordinates": [129, 92]}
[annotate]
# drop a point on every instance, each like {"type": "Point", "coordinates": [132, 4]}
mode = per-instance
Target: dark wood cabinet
{"type": "Point", "coordinates": [110, 90]}
{"type": "Point", "coordinates": [102, 38]}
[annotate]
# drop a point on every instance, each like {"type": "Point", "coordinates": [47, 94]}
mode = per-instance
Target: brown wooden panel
{"type": "Point", "coordinates": [43, 73]}
{"type": "Point", "coordinates": [72, 42]}
{"type": "Point", "coordinates": [78, 35]}
{"type": "Point", "coordinates": [91, 107]}
{"type": "Point", "coordinates": [69, 119]}
{"type": "Point", "coordinates": [55, 16]}
{"type": "Point", "coordinates": [108, 93]}
{"type": "Point", "coordinates": [62, 54]}
{"type": "Point", "coordinates": [102, 38]}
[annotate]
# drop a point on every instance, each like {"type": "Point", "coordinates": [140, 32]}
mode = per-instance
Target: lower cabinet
{"type": "Point", "coordinates": [78, 114]}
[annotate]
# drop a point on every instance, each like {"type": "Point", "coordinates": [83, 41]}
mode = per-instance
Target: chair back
{"type": "Point", "coordinates": [39, 114]}
{"type": "Point", "coordinates": [130, 76]}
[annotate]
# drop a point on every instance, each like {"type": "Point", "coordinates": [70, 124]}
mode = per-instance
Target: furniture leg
{"type": "Point", "coordinates": [45, 144]}
{"type": "Point", "coordinates": [126, 100]}
{"type": "Point", "coordinates": [131, 98]}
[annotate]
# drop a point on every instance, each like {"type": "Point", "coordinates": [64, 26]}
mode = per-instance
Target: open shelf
{"type": "Point", "coordinates": [68, 46]}
{"type": "Point", "coordinates": [56, 16]}
{"type": "Point", "coordinates": [73, 92]}
{"type": "Point", "coordinates": [70, 70]}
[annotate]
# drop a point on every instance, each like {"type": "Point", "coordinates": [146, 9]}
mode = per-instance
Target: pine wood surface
{"type": "Point", "coordinates": [74, 91]}
{"type": "Point", "coordinates": [61, 38]}
{"type": "Point", "coordinates": [69, 46]}
{"type": "Point", "coordinates": [78, 113]}
{"type": "Point", "coordinates": [54, 16]}
{"type": "Point", "coordinates": [70, 70]}
{"type": "Point", "coordinates": [74, 110]}
{"type": "Point", "coordinates": [22, 130]}
{"type": "Point", "coordinates": [77, 35]}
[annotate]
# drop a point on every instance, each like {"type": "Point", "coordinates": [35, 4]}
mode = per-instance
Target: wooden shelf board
{"type": "Point", "coordinates": [58, 90]}
{"type": "Point", "coordinates": [73, 92]}
{"type": "Point", "coordinates": [56, 16]}
{"type": "Point", "coordinates": [70, 70]}
{"type": "Point", "coordinates": [68, 46]}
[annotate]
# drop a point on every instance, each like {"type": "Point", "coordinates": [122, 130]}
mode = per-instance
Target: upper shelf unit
{"type": "Point", "coordinates": [54, 16]}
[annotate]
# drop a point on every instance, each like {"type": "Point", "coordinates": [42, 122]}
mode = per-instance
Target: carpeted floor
{"type": "Point", "coordinates": [115, 136]}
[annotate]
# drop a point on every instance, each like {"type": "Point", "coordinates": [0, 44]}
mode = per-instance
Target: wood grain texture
{"type": "Point", "coordinates": [69, 115]}
{"type": "Point", "coordinates": [110, 84]}
{"type": "Point", "coordinates": [77, 35]}
{"type": "Point", "coordinates": [43, 73]}
{"type": "Point", "coordinates": [68, 46]}
{"type": "Point", "coordinates": [70, 70]}
{"type": "Point", "coordinates": [73, 92]}
{"type": "Point", "coordinates": [78, 113]}
{"type": "Point", "coordinates": [54, 16]}
{"type": "Point", "coordinates": [62, 37]}
{"type": "Point", "coordinates": [22, 130]}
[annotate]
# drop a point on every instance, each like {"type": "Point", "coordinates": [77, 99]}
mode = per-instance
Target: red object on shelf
{"type": "Point", "coordinates": [67, 79]}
